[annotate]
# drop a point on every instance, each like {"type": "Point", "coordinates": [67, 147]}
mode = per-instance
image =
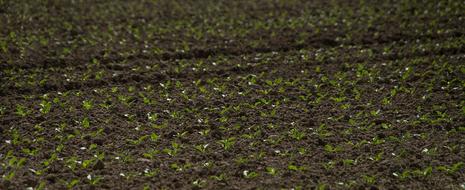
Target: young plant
{"type": "Point", "coordinates": [45, 106]}
{"type": "Point", "coordinates": [87, 104]}
{"type": "Point", "coordinates": [22, 110]}
{"type": "Point", "coordinates": [270, 170]}
{"type": "Point", "coordinates": [227, 143]}
{"type": "Point", "coordinates": [249, 174]}
{"type": "Point", "coordinates": [296, 134]}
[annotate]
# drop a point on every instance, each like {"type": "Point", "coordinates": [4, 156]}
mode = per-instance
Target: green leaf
{"type": "Point", "coordinates": [154, 137]}
{"type": "Point", "coordinates": [271, 170]}
{"type": "Point", "coordinates": [86, 123]}
{"type": "Point", "coordinates": [73, 183]}
{"type": "Point", "coordinates": [87, 104]}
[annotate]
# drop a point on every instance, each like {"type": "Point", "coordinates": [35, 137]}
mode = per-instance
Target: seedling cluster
{"type": "Point", "coordinates": [243, 95]}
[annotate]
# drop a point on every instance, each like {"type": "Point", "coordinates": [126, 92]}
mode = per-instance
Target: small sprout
{"type": "Point", "coordinates": [427, 171]}
{"type": "Point", "coordinates": [201, 148]}
{"type": "Point", "coordinates": [152, 116]}
{"type": "Point", "coordinates": [9, 176]}
{"type": "Point", "coordinates": [41, 185]}
{"type": "Point", "coordinates": [92, 146]}
{"type": "Point", "coordinates": [271, 171]}
{"type": "Point", "coordinates": [93, 180]}
{"type": "Point", "coordinates": [348, 162]}
{"type": "Point", "coordinates": [378, 156]}
{"type": "Point", "coordinates": [220, 177]}
{"type": "Point", "coordinates": [227, 143]}
{"type": "Point", "coordinates": [338, 99]}
{"type": "Point", "coordinates": [451, 169]}
{"type": "Point", "coordinates": [149, 154]}
{"type": "Point", "coordinates": [370, 180]}
{"type": "Point", "coordinates": [154, 137]}
{"type": "Point", "coordinates": [331, 148]}
{"type": "Point", "coordinates": [375, 112]}
{"type": "Point", "coordinates": [85, 123]}
{"type": "Point", "coordinates": [175, 148]}
{"type": "Point", "coordinates": [321, 186]}
{"type": "Point", "coordinates": [248, 174]}
{"type": "Point", "coordinates": [3, 110]}
{"type": "Point", "coordinates": [45, 106]}
{"type": "Point", "coordinates": [21, 110]}
{"type": "Point", "coordinates": [385, 125]}
{"type": "Point", "coordinates": [86, 163]}
{"type": "Point", "coordinates": [87, 104]}
{"type": "Point", "coordinates": [199, 183]}
{"type": "Point", "coordinates": [204, 132]}
{"type": "Point", "coordinates": [329, 165]}
{"type": "Point", "coordinates": [72, 183]}
{"type": "Point", "coordinates": [296, 134]}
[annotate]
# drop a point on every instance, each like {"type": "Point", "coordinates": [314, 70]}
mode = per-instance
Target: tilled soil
{"type": "Point", "coordinates": [232, 94]}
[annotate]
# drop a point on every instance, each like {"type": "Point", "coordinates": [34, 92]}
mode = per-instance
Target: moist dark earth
{"type": "Point", "coordinates": [262, 94]}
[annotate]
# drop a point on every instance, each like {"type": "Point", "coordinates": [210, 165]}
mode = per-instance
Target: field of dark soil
{"type": "Point", "coordinates": [225, 94]}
